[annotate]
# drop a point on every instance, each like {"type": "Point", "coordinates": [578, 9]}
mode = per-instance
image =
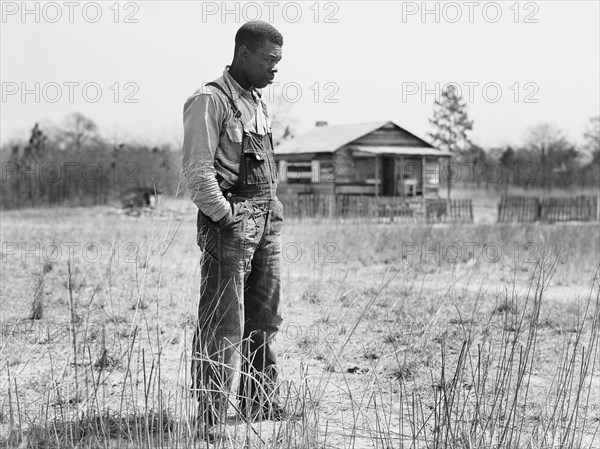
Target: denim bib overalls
{"type": "Point", "coordinates": [239, 309]}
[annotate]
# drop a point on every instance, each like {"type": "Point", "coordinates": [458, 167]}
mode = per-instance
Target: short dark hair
{"type": "Point", "coordinates": [254, 34]}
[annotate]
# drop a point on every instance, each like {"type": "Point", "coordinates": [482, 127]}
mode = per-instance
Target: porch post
{"type": "Point", "coordinates": [377, 177]}
{"type": "Point", "coordinates": [395, 176]}
{"type": "Point", "coordinates": [448, 181]}
{"type": "Point", "coordinates": [423, 161]}
{"type": "Point", "coordinates": [401, 172]}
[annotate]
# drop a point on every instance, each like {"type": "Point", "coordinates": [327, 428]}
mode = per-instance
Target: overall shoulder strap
{"type": "Point", "coordinates": [236, 112]}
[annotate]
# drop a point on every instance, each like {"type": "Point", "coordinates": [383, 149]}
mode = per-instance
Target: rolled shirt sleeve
{"type": "Point", "coordinates": [202, 118]}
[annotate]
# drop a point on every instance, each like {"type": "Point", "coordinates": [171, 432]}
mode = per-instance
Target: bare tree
{"type": "Point", "coordinates": [550, 147]}
{"type": "Point", "coordinates": [591, 151]}
{"type": "Point", "coordinates": [281, 120]}
{"type": "Point", "coordinates": [78, 130]}
{"type": "Point", "coordinates": [591, 136]}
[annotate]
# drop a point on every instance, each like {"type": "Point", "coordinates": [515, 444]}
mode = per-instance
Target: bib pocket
{"type": "Point", "coordinates": [255, 160]}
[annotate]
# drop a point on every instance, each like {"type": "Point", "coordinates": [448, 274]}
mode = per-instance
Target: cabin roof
{"type": "Point", "coordinates": [330, 138]}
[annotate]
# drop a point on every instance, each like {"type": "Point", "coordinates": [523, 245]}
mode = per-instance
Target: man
{"type": "Point", "coordinates": [229, 164]}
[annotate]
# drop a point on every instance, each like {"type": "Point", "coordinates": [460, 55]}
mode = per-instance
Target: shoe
{"type": "Point", "coordinates": [205, 424]}
{"type": "Point", "coordinates": [205, 433]}
{"type": "Point", "coordinates": [205, 417]}
{"type": "Point", "coordinates": [266, 412]}
{"type": "Point", "coordinates": [209, 432]}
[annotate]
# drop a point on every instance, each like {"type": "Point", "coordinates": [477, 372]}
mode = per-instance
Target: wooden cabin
{"type": "Point", "coordinates": [379, 159]}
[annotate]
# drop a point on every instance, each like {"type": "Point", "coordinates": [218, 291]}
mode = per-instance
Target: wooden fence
{"type": "Point", "coordinates": [550, 209]}
{"type": "Point", "coordinates": [363, 208]}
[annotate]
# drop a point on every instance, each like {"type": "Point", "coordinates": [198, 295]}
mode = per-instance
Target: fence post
{"type": "Point", "coordinates": [500, 209]}
{"type": "Point", "coordinates": [471, 210]}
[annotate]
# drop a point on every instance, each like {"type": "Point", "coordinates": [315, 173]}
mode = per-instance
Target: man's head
{"type": "Point", "coordinates": [257, 52]}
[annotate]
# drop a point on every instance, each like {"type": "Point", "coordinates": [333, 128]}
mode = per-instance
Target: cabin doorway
{"type": "Point", "coordinates": [389, 175]}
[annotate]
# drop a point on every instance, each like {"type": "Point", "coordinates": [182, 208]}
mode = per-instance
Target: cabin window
{"type": "Point", "coordinates": [308, 172]}
{"type": "Point", "coordinates": [299, 172]}
{"type": "Point", "coordinates": [315, 171]}
{"type": "Point", "coordinates": [432, 171]}
{"type": "Point", "coordinates": [364, 170]}
{"type": "Point", "coordinates": [282, 171]}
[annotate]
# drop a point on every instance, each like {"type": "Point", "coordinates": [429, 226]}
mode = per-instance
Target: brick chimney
{"type": "Point", "coordinates": [318, 124]}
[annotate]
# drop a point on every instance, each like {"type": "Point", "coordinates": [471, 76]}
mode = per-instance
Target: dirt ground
{"type": "Point", "coordinates": [371, 316]}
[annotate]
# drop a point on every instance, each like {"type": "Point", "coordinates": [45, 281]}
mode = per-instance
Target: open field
{"type": "Point", "coordinates": [394, 336]}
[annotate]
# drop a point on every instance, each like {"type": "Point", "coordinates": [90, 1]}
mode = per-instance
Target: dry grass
{"type": "Point", "coordinates": [380, 347]}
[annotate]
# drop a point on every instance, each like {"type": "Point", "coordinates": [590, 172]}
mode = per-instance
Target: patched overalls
{"type": "Point", "coordinates": [239, 309]}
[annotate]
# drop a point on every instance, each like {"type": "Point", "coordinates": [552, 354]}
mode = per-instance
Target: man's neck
{"type": "Point", "coordinates": [238, 76]}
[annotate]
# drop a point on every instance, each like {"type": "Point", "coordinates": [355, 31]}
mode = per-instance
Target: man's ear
{"type": "Point", "coordinates": [243, 53]}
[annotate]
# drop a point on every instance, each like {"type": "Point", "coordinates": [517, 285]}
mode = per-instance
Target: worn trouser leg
{"type": "Point", "coordinates": [220, 313]}
{"type": "Point", "coordinates": [262, 314]}
{"type": "Point", "coordinates": [240, 295]}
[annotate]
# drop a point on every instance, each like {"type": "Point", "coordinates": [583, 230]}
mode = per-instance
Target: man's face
{"type": "Point", "coordinates": [261, 65]}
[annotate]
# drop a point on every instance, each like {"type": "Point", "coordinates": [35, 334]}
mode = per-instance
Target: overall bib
{"type": "Point", "coordinates": [239, 309]}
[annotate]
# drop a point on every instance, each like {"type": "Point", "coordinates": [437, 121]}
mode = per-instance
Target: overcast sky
{"type": "Point", "coordinates": [518, 64]}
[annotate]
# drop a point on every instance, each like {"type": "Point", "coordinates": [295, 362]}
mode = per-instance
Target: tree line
{"type": "Point", "coordinates": [545, 159]}
{"type": "Point", "coordinates": [74, 164]}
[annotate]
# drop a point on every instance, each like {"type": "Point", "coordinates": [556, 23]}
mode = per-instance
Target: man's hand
{"type": "Point", "coordinates": [226, 219]}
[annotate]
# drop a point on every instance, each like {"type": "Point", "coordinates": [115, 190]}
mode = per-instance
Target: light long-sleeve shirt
{"type": "Point", "coordinates": [212, 140]}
